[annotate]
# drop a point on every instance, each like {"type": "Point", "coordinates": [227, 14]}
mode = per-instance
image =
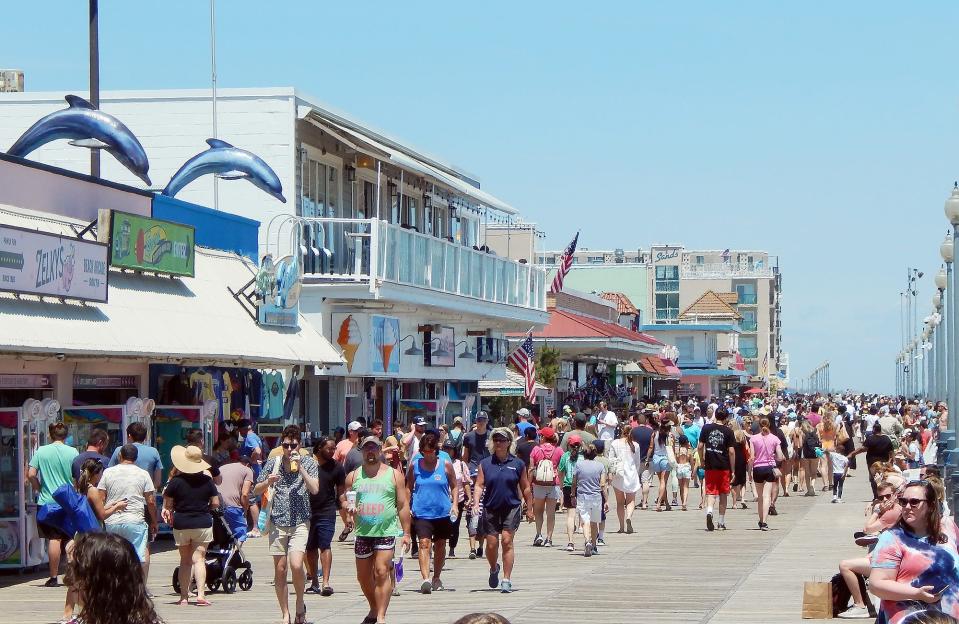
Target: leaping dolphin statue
{"type": "Point", "coordinates": [230, 163]}
{"type": "Point", "coordinates": [87, 127]}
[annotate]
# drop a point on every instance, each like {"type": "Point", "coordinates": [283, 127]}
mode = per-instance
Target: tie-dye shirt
{"type": "Point", "coordinates": [919, 563]}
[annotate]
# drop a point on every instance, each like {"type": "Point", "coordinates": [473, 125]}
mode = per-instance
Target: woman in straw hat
{"type": "Point", "coordinates": [187, 501]}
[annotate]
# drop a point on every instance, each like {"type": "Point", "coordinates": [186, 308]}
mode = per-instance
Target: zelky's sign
{"type": "Point", "coordinates": [145, 244]}
{"type": "Point", "coordinates": [38, 263]}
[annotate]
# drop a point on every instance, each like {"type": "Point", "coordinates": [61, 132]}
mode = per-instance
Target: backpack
{"type": "Point", "coordinates": [545, 469]}
{"type": "Point", "coordinates": [810, 443]}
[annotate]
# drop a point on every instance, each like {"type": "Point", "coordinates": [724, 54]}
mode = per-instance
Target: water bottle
{"type": "Point", "coordinates": [398, 568]}
{"type": "Point", "coordinates": [261, 520]}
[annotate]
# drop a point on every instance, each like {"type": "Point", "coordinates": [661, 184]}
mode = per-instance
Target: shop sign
{"type": "Point", "coordinates": [278, 291]}
{"type": "Point", "coordinates": [492, 350]}
{"type": "Point", "coordinates": [441, 351]}
{"type": "Point", "coordinates": [38, 263]}
{"type": "Point", "coordinates": [97, 381]}
{"type": "Point", "coordinates": [385, 331]}
{"type": "Point", "coordinates": [351, 333]}
{"type": "Point", "coordinates": [145, 244]}
{"type": "Point", "coordinates": [667, 254]}
{"type": "Point", "coordinates": [28, 382]}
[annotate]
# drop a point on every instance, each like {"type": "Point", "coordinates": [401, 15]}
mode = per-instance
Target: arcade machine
{"type": "Point", "coordinates": [114, 419]}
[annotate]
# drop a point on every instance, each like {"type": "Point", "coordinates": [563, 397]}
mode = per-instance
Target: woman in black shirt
{"type": "Point", "coordinates": [188, 500]}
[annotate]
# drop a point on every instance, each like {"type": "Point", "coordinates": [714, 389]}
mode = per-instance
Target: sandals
{"type": "Point", "coordinates": [346, 531]}
{"type": "Point", "coordinates": [301, 616]}
{"type": "Point", "coordinates": [203, 602]}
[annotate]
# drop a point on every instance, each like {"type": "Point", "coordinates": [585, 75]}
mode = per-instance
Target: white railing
{"type": "Point", "coordinates": [723, 271]}
{"type": "Point", "coordinates": [350, 250]}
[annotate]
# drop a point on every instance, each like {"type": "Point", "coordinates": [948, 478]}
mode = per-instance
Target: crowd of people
{"type": "Point", "coordinates": [409, 491]}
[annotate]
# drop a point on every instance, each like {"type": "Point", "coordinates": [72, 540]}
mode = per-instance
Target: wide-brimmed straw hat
{"type": "Point", "coordinates": [188, 459]}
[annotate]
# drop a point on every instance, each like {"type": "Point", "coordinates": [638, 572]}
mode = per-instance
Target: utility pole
{"type": "Point", "coordinates": [94, 77]}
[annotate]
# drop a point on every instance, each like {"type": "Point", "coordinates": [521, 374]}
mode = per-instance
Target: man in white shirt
{"type": "Point", "coordinates": [606, 423]}
{"type": "Point", "coordinates": [138, 522]}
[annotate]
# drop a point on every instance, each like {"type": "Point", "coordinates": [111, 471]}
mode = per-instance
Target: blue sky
{"type": "Point", "coordinates": [825, 133]}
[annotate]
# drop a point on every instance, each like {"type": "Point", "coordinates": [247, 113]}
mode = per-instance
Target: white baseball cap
{"type": "Point", "coordinates": [354, 426]}
{"type": "Point", "coordinates": [522, 412]}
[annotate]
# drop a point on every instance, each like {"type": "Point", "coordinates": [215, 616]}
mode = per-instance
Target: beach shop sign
{"type": "Point", "coordinates": [44, 264]}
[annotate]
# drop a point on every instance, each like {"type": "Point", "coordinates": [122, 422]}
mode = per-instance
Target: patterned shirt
{"type": "Point", "coordinates": [291, 501]}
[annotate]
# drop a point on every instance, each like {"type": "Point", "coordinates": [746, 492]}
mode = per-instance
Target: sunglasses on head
{"type": "Point", "coordinates": [290, 445]}
{"type": "Point", "coordinates": [910, 502]}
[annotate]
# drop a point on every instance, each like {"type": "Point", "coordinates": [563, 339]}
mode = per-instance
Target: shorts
{"type": "Point", "coordinates": [546, 491]}
{"type": "Point", "coordinates": [364, 546]}
{"type": "Point", "coordinates": [284, 540]}
{"type": "Point", "coordinates": [646, 477]}
{"type": "Point", "coordinates": [568, 496]}
{"type": "Point", "coordinates": [684, 471]}
{"type": "Point", "coordinates": [236, 519]}
{"type": "Point", "coordinates": [433, 528]}
{"type": "Point", "coordinates": [589, 509]}
{"type": "Point", "coordinates": [660, 464]}
{"type": "Point", "coordinates": [321, 533]}
{"type": "Point", "coordinates": [495, 521]}
{"type": "Point", "coordinates": [50, 532]}
{"type": "Point", "coordinates": [183, 537]}
{"type": "Point", "coordinates": [764, 474]}
{"type": "Point", "coordinates": [717, 482]}
{"type": "Point", "coordinates": [134, 532]}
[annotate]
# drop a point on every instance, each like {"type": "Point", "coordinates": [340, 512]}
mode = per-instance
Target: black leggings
{"type": "Point", "coordinates": [837, 481]}
{"type": "Point", "coordinates": [455, 535]}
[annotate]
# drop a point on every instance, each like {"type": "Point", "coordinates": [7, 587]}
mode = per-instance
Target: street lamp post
{"type": "Point", "coordinates": [942, 335]}
{"type": "Point", "coordinates": [951, 209]}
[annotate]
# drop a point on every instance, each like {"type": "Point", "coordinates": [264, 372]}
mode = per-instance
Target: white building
{"type": "Point", "coordinates": [390, 241]}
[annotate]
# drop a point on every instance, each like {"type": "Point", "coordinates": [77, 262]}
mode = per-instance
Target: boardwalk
{"type": "Point", "coordinates": [670, 570]}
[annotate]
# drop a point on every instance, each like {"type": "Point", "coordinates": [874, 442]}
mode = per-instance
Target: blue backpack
{"type": "Point", "coordinates": [71, 512]}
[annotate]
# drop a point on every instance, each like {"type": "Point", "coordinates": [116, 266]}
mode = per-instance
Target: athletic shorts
{"type": "Point", "coordinates": [364, 547]}
{"type": "Point", "coordinates": [236, 519]}
{"type": "Point", "coordinates": [183, 537]}
{"type": "Point", "coordinates": [50, 532]}
{"type": "Point", "coordinates": [764, 474]}
{"type": "Point", "coordinates": [321, 533]}
{"type": "Point", "coordinates": [546, 491]}
{"type": "Point", "coordinates": [590, 509]}
{"type": "Point", "coordinates": [717, 482]}
{"type": "Point", "coordinates": [136, 533]}
{"type": "Point", "coordinates": [284, 540]}
{"type": "Point", "coordinates": [432, 528]}
{"type": "Point", "coordinates": [568, 497]}
{"type": "Point", "coordinates": [495, 521]}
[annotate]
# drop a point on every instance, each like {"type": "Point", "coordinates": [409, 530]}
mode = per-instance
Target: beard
{"type": "Point", "coordinates": [371, 459]}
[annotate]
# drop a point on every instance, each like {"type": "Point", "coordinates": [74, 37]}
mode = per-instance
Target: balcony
{"type": "Point", "coordinates": [724, 271]}
{"type": "Point", "coordinates": [746, 299]}
{"type": "Point", "coordinates": [370, 251]}
{"type": "Point", "coordinates": [748, 326]}
{"type": "Point", "coordinates": [749, 352]}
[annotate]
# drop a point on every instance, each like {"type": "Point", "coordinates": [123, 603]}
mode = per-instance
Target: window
{"type": "Point", "coordinates": [667, 307]}
{"type": "Point", "coordinates": [369, 201]}
{"type": "Point", "coordinates": [667, 278]}
{"type": "Point", "coordinates": [748, 323]}
{"type": "Point", "coordinates": [752, 368]}
{"type": "Point", "coordinates": [746, 294]}
{"type": "Point", "coordinates": [700, 259]}
{"type": "Point", "coordinates": [409, 217]}
{"type": "Point", "coordinates": [594, 259]}
{"type": "Point", "coordinates": [748, 347]}
{"type": "Point", "coordinates": [687, 348]}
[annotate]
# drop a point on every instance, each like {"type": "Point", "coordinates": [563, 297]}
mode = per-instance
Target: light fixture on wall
{"type": "Point", "coordinates": [413, 350]}
{"type": "Point", "coordinates": [466, 354]}
{"type": "Point", "coordinates": [440, 351]}
{"type": "Point", "coordinates": [350, 173]}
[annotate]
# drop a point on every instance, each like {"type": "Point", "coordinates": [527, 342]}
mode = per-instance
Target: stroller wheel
{"type": "Point", "coordinates": [229, 581]}
{"type": "Point", "coordinates": [246, 580]}
{"type": "Point", "coordinates": [176, 579]}
{"type": "Point", "coordinates": [213, 584]}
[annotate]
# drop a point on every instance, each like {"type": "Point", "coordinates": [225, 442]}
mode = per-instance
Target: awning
{"type": "Point", "coordinates": [158, 318]}
{"type": "Point", "coordinates": [371, 146]}
{"type": "Point", "coordinates": [660, 367]}
{"type": "Point", "coordinates": [714, 372]}
{"type": "Point", "coordinates": [513, 385]}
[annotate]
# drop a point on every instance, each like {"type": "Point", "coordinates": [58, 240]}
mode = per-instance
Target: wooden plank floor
{"type": "Point", "coordinates": [670, 570]}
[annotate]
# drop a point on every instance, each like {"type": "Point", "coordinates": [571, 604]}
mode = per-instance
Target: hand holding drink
{"type": "Point", "coordinates": [351, 501]}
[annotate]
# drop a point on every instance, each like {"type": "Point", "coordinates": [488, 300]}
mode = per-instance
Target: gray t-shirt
{"type": "Point", "coordinates": [589, 473]}
{"type": "Point", "coordinates": [291, 501]}
{"type": "Point", "coordinates": [131, 482]}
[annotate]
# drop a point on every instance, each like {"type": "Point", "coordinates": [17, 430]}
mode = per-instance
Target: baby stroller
{"type": "Point", "coordinates": [225, 564]}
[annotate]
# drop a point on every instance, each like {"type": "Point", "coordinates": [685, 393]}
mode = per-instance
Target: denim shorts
{"type": "Point", "coordinates": [660, 463]}
{"type": "Point", "coordinates": [134, 532]}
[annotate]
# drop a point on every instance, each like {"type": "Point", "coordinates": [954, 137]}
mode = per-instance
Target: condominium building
{"type": "Point", "coordinates": [667, 278]}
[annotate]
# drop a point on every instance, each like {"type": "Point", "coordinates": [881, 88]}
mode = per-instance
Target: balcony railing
{"type": "Point", "coordinates": [360, 250]}
{"type": "Point", "coordinates": [749, 352]}
{"type": "Point", "coordinates": [746, 299]}
{"type": "Point", "coordinates": [723, 270]}
{"type": "Point", "coordinates": [748, 326]}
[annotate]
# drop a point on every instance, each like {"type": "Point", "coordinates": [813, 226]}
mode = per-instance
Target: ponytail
{"type": "Point", "coordinates": [88, 471]}
{"type": "Point", "coordinates": [764, 425]}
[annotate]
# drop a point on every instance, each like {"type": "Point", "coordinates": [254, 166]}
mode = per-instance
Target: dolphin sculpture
{"type": "Point", "coordinates": [229, 163]}
{"type": "Point", "coordinates": [89, 128]}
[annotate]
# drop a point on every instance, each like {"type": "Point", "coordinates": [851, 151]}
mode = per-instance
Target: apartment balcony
{"type": "Point", "coordinates": [746, 299]}
{"type": "Point", "coordinates": [748, 326]}
{"type": "Point", "coordinates": [397, 263]}
{"type": "Point", "coordinates": [749, 352]}
{"type": "Point", "coordinates": [724, 271]}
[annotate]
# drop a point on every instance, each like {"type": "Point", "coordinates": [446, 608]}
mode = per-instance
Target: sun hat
{"type": "Point", "coordinates": [503, 432]}
{"type": "Point", "coordinates": [188, 459]}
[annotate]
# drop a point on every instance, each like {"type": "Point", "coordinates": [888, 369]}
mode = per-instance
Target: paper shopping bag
{"type": "Point", "coordinates": [816, 600]}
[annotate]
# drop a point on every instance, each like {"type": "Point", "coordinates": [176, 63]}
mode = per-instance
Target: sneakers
{"type": "Point", "coordinates": [629, 526]}
{"type": "Point", "coordinates": [855, 612]}
{"type": "Point", "coordinates": [548, 543]}
{"type": "Point", "coordinates": [721, 526]}
{"type": "Point", "coordinates": [588, 550]}
{"type": "Point", "coordinates": [438, 585]}
{"type": "Point", "coordinates": [866, 540]}
{"type": "Point", "coordinates": [472, 554]}
{"type": "Point", "coordinates": [426, 587]}
{"type": "Point", "coordinates": [314, 588]}
{"type": "Point", "coordinates": [538, 541]}
{"type": "Point", "coordinates": [835, 499]}
{"type": "Point", "coordinates": [762, 526]}
{"type": "Point", "coordinates": [600, 542]}
{"type": "Point", "coordinates": [506, 587]}
{"type": "Point", "coordinates": [52, 582]}
{"type": "Point", "coordinates": [569, 547]}
{"type": "Point", "coordinates": [709, 522]}
{"type": "Point", "coordinates": [494, 577]}
{"type": "Point", "coordinates": [772, 511]}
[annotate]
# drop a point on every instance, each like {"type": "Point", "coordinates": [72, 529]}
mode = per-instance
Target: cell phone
{"type": "Point", "coordinates": [939, 592]}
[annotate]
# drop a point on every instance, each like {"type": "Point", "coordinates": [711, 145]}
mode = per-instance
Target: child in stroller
{"type": "Point", "coordinates": [225, 564]}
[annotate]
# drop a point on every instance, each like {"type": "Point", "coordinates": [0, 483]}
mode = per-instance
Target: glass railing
{"type": "Point", "coordinates": [749, 352]}
{"type": "Point", "coordinates": [361, 249]}
{"type": "Point", "coordinates": [723, 270]}
{"type": "Point", "coordinates": [746, 299]}
{"type": "Point", "coordinates": [748, 326]}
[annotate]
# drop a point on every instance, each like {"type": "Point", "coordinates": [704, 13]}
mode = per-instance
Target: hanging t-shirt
{"type": "Point", "coordinates": [271, 405]}
{"type": "Point", "coordinates": [225, 396]}
{"type": "Point", "coordinates": [202, 384]}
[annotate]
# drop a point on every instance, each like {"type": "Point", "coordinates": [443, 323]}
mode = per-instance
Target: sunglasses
{"type": "Point", "coordinates": [911, 502]}
{"type": "Point", "coordinates": [290, 445]}
{"type": "Point", "coordinates": [886, 496]}
{"type": "Point", "coordinates": [500, 440]}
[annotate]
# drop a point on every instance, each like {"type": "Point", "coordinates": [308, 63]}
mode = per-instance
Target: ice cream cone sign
{"type": "Point", "coordinates": [389, 342]}
{"type": "Point", "coordinates": [349, 340]}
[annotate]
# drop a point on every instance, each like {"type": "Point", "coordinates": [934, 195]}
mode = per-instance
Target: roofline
{"type": "Point", "coordinates": [67, 173]}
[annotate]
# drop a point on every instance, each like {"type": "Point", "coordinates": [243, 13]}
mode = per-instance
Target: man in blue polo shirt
{"type": "Point", "coordinates": [500, 482]}
{"type": "Point", "coordinates": [524, 422]}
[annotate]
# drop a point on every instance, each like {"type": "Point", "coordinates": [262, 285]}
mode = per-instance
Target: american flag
{"type": "Point", "coordinates": [524, 361]}
{"type": "Point", "coordinates": [565, 262]}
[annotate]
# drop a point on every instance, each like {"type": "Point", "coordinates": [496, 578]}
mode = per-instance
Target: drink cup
{"type": "Point", "coordinates": [351, 500]}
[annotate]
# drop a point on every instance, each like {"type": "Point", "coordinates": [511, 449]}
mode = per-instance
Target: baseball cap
{"type": "Point", "coordinates": [547, 432]}
{"type": "Point", "coordinates": [419, 420]}
{"type": "Point", "coordinates": [371, 440]}
{"type": "Point", "coordinates": [458, 419]}
{"type": "Point", "coordinates": [354, 426]}
{"type": "Point", "coordinates": [481, 415]}
{"type": "Point", "coordinates": [575, 439]}
{"type": "Point", "coordinates": [567, 409]}
{"type": "Point", "coordinates": [522, 412]}
{"type": "Point", "coordinates": [502, 432]}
